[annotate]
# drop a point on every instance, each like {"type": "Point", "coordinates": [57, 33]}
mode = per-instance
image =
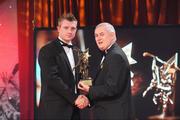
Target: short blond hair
{"type": "Point", "coordinates": [68, 16]}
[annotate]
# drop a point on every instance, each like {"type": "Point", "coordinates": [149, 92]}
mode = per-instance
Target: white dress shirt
{"type": "Point", "coordinates": [70, 56]}
{"type": "Point", "coordinates": [69, 53]}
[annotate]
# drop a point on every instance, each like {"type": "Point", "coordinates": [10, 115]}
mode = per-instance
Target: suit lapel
{"type": "Point", "coordinates": [76, 59]}
{"type": "Point", "coordinates": [100, 67]}
{"type": "Point", "coordinates": [75, 54]}
{"type": "Point", "coordinates": [98, 71]}
{"type": "Point", "coordinates": [62, 53]}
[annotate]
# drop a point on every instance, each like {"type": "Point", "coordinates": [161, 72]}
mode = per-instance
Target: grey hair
{"type": "Point", "coordinates": [108, 26]}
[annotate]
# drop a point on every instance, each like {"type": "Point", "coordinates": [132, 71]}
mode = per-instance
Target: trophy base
{"type": "Point", "coordinates": [87, 81]}
{"type": "Point", "coordinates": [160, 117]}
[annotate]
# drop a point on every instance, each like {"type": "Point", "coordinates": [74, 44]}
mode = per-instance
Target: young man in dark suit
{"type": "Point", "coordinates": [110, 93]}
{"type": "Point", "coordinates": [59, 96]}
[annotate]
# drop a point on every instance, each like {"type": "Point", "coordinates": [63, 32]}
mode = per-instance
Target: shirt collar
{"type": "Point", "coordinates": [108, 48]}
{"type": "Point", "coordinates": [70, 43]}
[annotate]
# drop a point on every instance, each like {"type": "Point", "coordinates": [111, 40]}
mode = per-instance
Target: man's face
{"type": "Point", "coordinates": [103, 38]}
{"type": "Point", "coordinates": [67, 30]}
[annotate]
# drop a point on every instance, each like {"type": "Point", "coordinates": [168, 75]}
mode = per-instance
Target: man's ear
{"type": "Point", "coordinates": [113, 35]}
{"type": "Point", "coordinates": [57, 27]}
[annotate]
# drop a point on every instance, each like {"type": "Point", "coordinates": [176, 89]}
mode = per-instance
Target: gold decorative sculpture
{"type": "Point", "coordinates": [83, 64]}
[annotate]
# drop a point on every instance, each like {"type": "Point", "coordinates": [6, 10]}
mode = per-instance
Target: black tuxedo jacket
{"type": "Point", "coordinates": [111, 90]}
{"type": "Point", "coordinates": [58, 83]}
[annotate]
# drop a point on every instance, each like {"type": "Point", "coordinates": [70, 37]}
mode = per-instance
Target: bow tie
{"type": "Point", "coordinates": [65, 44]}
{"type": "Point", "coordinates": [69, 46]}
{"type": "Point", "coordinates": [103, 53]}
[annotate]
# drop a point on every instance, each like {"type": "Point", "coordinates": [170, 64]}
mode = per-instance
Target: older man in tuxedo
{"type": "Point", "coordinates": [110, 94]}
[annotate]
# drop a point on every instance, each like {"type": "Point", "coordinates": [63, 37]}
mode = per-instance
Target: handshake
{"type": "Point", "coordinates": [82, 101]}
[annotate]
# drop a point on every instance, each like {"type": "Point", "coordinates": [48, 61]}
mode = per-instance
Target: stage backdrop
{"type": "Point", "coordinates": [161, 41]}
{"type": "Point", "coordinates": [9, 62]}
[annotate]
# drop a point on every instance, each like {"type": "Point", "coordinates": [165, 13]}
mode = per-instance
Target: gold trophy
{"type": "Point", "coordinates": [83, 64]}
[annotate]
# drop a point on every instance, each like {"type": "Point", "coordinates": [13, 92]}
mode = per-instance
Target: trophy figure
{"type": "Point", "coordinates": [163, 83]}
{"type": "Point", "coordinates": [83, 64]}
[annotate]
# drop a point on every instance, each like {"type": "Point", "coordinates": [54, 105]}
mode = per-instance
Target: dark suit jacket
{"type": "Point", "coordinates": [58, 83]}
{"type": "Point", "coordinates": [111, 90]}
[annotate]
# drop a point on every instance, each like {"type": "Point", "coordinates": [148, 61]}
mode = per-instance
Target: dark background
{"type": "Point", "coordinates": [162, 41]}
